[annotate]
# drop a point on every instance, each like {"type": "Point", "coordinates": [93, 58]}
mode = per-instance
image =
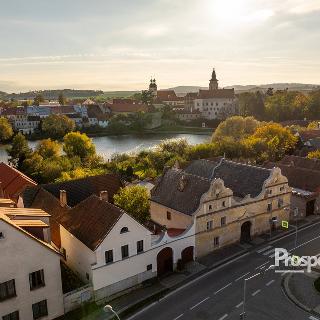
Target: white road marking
{"type": "Point", "coordinates": [272, 255]}
{"type": "Point", "coordinates": [178, 317]}
{"type": "Point", "coordinates": [313, 318]}
{"type": "Point", "coordinates": [242, 276]}
{"type": "Point", "coordinates": [239, 304]}
{"type": "Point", "coordinates": [223, 317]}
{"type": "Point", "coordinates": [268, 252]}
{"type": "Point", "coordinates": [228, 285]}
{"type": "Point", "coordinates": [268, 284]}
{"type": "Point", "coordinates": [256, 292]}
{"type": "Point", "coordinates": [261, 265]}
{"type": "Point", "coordinates": [264, 249]}
{"type": "Point", "coordinates": [205, 299]}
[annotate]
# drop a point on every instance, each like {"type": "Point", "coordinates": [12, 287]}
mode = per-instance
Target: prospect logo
{"type": "Point", "coordinates": [294, 263]}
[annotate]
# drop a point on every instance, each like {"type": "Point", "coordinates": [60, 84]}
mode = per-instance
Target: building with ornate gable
{"type": "Point", "coordinates": [227, 201]}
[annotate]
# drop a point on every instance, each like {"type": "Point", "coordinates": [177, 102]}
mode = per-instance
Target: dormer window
{"type": "Point", "coordinates": [124, 230]}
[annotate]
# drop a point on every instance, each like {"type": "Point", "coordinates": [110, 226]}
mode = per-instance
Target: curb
{"type": "Point", "coordinates": [290, 295]}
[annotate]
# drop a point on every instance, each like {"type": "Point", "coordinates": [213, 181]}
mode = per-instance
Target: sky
{"type": "Point", "coordinates": [119, 44]}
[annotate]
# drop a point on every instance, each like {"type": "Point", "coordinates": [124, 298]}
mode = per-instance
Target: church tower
{"type": "Point", "coordinates": [153, 87]}
{"type": "Point", "coordinates": [213, 84]}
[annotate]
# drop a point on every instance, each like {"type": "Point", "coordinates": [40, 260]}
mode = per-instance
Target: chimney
{"type": "Point", "coordinates": [104, 195]}
{"type": "Point", "coordinates": [63, 198]}
{"type": "Point", "coordinates": [1, 191]}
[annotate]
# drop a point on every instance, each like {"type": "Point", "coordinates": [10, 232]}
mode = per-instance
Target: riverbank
{"type": "Point", "coordinates": [107, 145]}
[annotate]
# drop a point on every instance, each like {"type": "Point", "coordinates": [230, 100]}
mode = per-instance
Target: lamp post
{"type": "Point", "coordinates": [109, 308]}
{"type": "Point", "coordinates": [243, 314]}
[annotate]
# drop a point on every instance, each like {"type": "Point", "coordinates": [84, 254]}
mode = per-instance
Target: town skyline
{"type": "Point", "coordinates": [112, 46]}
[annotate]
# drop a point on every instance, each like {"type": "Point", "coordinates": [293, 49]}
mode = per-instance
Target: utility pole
{"type": "Point", "coordinates": [243, 315]}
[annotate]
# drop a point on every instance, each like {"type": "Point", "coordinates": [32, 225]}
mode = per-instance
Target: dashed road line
{"type": "Point", "coordinates": [228, 285]}
{"type": "Point", "coordinates": [256, 292]}
{"type": "Point", "coordinates": [264, 249]}
{"type": "Point", "coordinates": [178, 317]}
{"type": "Point", "coordinates": [196, 305]}
{"type": "Point", "coordinates": [270, 282]}
{"type": "Point", "coordinates": [262, 265]}
{"type": "Point", "coordinates": [272, 255]}
{"type": "Point", "coordinates": [223, 317]}
{"type": "Point", "coordinates": [239, 304]}
{"type": "Point", "coordinates": [241, 277]}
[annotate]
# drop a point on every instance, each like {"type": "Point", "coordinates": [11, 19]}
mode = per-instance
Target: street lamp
{"type": "Point", "coordinates": [243, 314]}
{"type": "Point", "coordinates": [109, 308]}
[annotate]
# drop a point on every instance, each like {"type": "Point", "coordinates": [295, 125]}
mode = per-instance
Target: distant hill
{"type": "Point", "coordinates": [116, 94]}
{"type": "Point", "coordinates": [276, 86]}
{"type": "Point", "coordinates": [54, 94]}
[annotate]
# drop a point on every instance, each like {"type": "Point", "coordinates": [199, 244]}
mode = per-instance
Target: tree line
{"type": "Point", "coordinates": [280, 105]}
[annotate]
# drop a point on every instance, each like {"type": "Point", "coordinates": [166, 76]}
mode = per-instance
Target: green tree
{"type": "Point", "coordinates": [57, 125]}
{"type": "Point", "coordinates": [19, 150]}
{"type": "Point", "coordinates": [135, 201]}
{"type": "Point", "coordinates": [6, 131]}
{"type": "Point", "coordinates": [147, 97]}
{"type": "Point", "coordinates": [62, 100]}
{"type": "Point", "coordinates": [38, 99]}
{"type": "Point", "coordinates": [79, 145]}
{"type": "Point", "coordinates": [314, 154]}
{"type": "Point", "coordinates": [236, 128]}
{"type": "Point", "coordinates": [48, 148]}
{"type": "Point", "coordinates": [278, 140]}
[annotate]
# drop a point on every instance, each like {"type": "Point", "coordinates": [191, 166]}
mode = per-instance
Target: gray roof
{"type": "Point", "coordinates": [242, 179]}
{"type": "Point", "coordinates": [167, 193]}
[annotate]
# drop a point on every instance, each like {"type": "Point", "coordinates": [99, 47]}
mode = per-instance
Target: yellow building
{"type": "Point", "coordinates": [228, 201]}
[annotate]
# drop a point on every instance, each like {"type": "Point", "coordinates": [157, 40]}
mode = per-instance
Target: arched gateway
{"type": "Point", "coordinates": [165, 261]}
{"type": "Point", "coordinates": [246, 232]}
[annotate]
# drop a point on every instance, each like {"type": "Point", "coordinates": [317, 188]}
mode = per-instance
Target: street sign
{"type": "Point", "coordinates": [285, 224]}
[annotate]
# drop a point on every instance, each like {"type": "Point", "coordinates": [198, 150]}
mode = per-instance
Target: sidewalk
{"type": "Point", "coordinates": [156, 288]}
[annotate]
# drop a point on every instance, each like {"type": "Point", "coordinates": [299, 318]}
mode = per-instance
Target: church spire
{"type": "Point", "coordinates": [213, 84]}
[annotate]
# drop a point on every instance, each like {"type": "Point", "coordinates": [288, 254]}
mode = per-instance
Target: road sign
{"type": "Point", "coordinates": [285, 224]}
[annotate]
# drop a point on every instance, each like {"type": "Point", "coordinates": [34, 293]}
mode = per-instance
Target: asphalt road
{"type": "Point", "coordinates": [218, 295]}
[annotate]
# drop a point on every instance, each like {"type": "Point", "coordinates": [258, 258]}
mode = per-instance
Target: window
{"type": "Point", "coordinates": [1, 235]}
{"type": "Point", "coordinates": [270, 191]}
{"type": "Point", "coordinates": [11, 316]}
{"type": "Point", "coordinates": [87, 276]}
{"type": "Point", "coordinates": [40, 309]}
{"type": "Point", "coordinates": [223, 221]}
{"type": "Point", "coordinates": [269, 208]}
{"type": "Point", "coordinates": [7, 290]}
{"type": "Point", "coordinates": [109, 256]}
{"type": "Point", "coordinates": [216, 241]}
{"type": "Point", "coordinates": [210, 207]}
{"type": "Point", "coordinates": [168, 215]}
{"type": "Point", "coordinates": [36, 279]}
{"type": "Point", "coordinates": [223, 203]}
{"type": "Point", "coordinates": [125, 251]}
{"type": "Point", "coordinates": [280, 203]}
{"type": "Point", "coordinates": [124, 230]}
{"type": "Point", "coordinates": [149, 267]}
{"type": "Point", "coordinates": [210, 225]}
{"type": "Point", "coordinates": [281, 188]}
{"type": "Point", "coordinates": [140, 246]}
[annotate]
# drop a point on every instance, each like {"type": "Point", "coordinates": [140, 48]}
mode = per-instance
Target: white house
{"type": "Point", "coordinates": [114, 252]}
{"type": "Point", "coordinates": [30, 277]}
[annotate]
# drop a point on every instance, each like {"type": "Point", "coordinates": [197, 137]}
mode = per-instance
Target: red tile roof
{"type": "Point", "coordinates": [309, 134]}
{"type": "Point", "coordinates": [220, 93]}
{"type": "Point", "coordinates": [91, 220]}
{"type": "Point", "coordinates": [13, 182]}
{"type": "Point", "coordinates": [167, 95]}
